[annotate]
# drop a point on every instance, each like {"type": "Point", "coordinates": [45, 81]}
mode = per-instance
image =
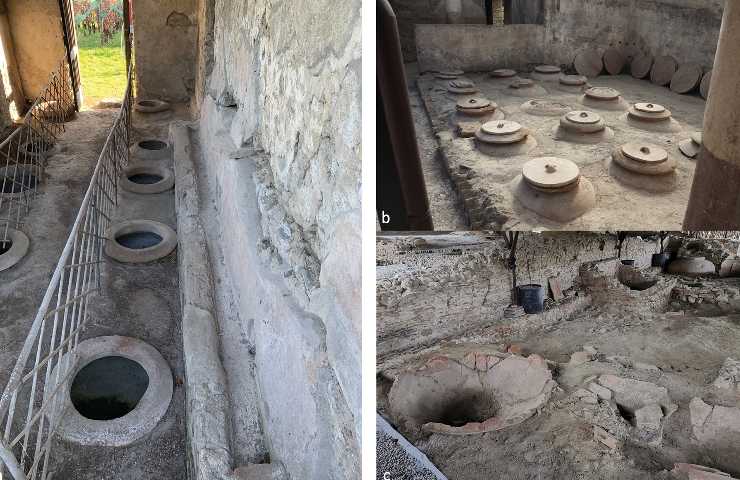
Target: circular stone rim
{"type": "Point", "coordinates": [18, 249]}
{"type": "Point", "coordinates": [643, 116]}
{"type": "Point", "coordinates": [136, 424]}
{"type": "Point", "coordinates": [513, 128]}
{"type": "Point", "coordinates": [547, 69]}
{"type": "Point", "coordinates": [118, 252]}
{"type": "Point", "coordinates": [503, 73]}
{"type": "Point", "coordinates": [146, 154]}
{"type": "Point", "coordinates": [167, 182]}
{"type": "Point", "coordinates": [574, 173]}
{"type": "Point", "coordinates": [659, 154]}
{"type": "Point", "coordinates": [591, 93]}
{"type": "Point", "coordinates": [158, 105]}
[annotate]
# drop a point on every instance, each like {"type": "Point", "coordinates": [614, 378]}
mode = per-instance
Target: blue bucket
{"type": "Point", "coordinates": [532, 298]}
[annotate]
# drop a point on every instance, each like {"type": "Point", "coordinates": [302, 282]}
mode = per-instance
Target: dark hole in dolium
{"type": "Point", "coordinates": [644, 285]}
{"type": "Point", "coordinates": [20, 184]}
{"type": "Point", "coordinates": [147, 103]}
{"type": "Point", "coordinates": [468, 407]}
{"type": "Point", "coordinates": [152, 145]}
{"type": "Point", "coordinates": [108, 388]}
{"type": "Point", "coordinates": [626, 414]}
{"type": "Point", "coordinates": [5, 246]}
{"type": "Point", "coordinates": [139, 240]}
{"type": "Point", "coordinates": [145, 178]}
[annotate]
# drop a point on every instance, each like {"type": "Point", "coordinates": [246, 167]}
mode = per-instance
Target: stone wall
{"type": "Point", "coordinates": [279, 96]}
{"type": "Point", "coordinates": [165, 36]}
{"type": "Point", "coordinates": [685, 29]}
{"type": "Point", "coordinates": [425, 295]}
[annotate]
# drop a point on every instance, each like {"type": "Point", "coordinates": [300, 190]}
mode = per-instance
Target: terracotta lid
{"type": "Point", "coordinates": [704, 86]}
{"type": "Point", "coordinates": [547, 69]}
{"type": "Point", "coordinates": [589, 63]}
{"type": "Point", "coordinates": [574, 80]}
{"type": "Point", "coordinates": [614, 61]}
{"type": "Point", "coordinates": [550, 172]}
{"type": "Point", "coordinates": [696, 137]}
{"type": "Point", "coordinates": [649, 107]}
{"type": "Point", "coordinates": [602, 93]}
{"type": "Point", "coordinates": [663, 70]}
{"type": "Point", "coordinates": [583, 117]}
{"type": "Point", "coordinates": [644, 153]}
{"type": "Point", "coordinates": [501, 127]}
{"type": "Point", "coordinates": [472, 103]}
{"type": "Point", "coordinates": [503, 73]}
{"type": "Point", "coordinates": [641, 65]}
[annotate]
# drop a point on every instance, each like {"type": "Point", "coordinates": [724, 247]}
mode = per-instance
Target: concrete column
{"type": "Point", "coordinates": [715, 195]}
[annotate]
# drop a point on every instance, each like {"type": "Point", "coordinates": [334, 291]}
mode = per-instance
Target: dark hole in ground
{"type": "Point", "coordinates": [139, 240]}
{"type": "Point", "coordinates": [152, 145]}
{"type": "Point", "coordinates": [626, 414]}
{"type": "Point", "coordinates": [640, 286]}
{"type": "Point", "coordinates": [5, 246]}
{"type": "Point", "coordinates": [147, 103]}
{"type": "Point", "coordinates": [469, 407]}
{"type": "Point", "coordinates": [108, 388]}
{"type": "Point", "coordinates": [37, 147]}
{"type": "Point", "coordinates": [20, 184]}
{"type": "Point", "coordinates": [145, 178]}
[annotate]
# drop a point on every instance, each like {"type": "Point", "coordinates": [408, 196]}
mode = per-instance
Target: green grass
{"type": "Point", "coordinates": [102, 68]}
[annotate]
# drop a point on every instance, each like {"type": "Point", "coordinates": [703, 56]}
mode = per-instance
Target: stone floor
{"type": "Point", "coordinates": [485, 181]}
{"type": "Point", "coordinates": [141, 301]}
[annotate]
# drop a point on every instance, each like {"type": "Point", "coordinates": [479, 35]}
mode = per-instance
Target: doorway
{"type": "Point", "coordinates": [98, 28]}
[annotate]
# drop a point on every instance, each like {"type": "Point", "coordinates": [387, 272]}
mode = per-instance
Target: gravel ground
{"type": "Point", "coordinates": [394, 463]}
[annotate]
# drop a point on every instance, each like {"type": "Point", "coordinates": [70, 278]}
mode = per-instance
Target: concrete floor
{"type": "Point", "coordinates": [487, 179]}
{"type": "Point", "coordinates": [141, 301]}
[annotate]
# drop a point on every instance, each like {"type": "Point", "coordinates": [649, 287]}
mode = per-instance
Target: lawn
{"type": "Point", "coordinates": [102, 68]}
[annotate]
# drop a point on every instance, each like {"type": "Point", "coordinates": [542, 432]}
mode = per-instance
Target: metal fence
{"type": "Point", "coordinates": [23, 153]}
{"type": "Point", "coordinates": [33, 401]}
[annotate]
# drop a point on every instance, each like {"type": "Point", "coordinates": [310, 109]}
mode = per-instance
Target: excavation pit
{"type": "Point", "coordinates": [147, 179]}
{"type": "Point", "coordinates": [485, 394]}
{"type": "Point", "coordinates": [121, 389]}
{"type": "Point", "coordinates": [13, 247]}
{"type": "Point", "coordinates": [108, 388]}
{"type": "Point", "coordinates": [140, 241]}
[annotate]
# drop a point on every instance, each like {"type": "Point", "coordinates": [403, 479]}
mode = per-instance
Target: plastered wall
{"type": "Point", "coordinates": [278, 90]}
{"type": "Point", "coordinates": [165, 48]}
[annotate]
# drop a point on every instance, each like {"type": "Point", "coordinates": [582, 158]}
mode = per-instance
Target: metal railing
{"type": "Point", "coordinates": [23, 153]}
{"type": "Point", "coordinates": [32, 403]}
